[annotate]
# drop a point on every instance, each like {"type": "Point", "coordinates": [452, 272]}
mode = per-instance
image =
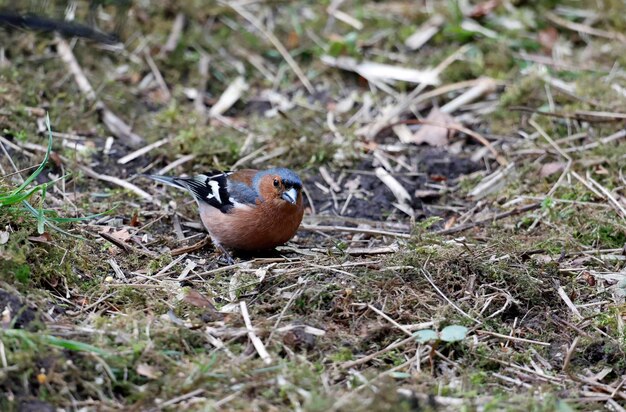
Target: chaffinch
{"type": "Point", "coordinates": [248, 209]}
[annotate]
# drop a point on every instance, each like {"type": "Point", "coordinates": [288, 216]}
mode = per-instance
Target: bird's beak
{"type": "Point", "coordinates": [290, 195]}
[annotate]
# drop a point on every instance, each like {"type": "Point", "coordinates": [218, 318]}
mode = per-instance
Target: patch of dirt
{"type": "Point", "coordinates": [35, 405]}
{"type": "Point", "coordinates": [21, 314]}
{"type": "Point", "coordinates": [374, 200]}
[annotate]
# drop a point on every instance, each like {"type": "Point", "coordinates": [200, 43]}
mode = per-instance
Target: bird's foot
{"type": "Point", "coordinates": [225, 257]}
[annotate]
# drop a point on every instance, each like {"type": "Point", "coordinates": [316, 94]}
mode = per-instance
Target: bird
{"type": "Point", "coordinates": [245, 210]}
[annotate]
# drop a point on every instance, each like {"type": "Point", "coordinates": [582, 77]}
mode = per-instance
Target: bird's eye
{"type": "Point", "coordinates": [276, 183]}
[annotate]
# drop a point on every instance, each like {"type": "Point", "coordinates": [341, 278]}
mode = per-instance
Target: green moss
{"type": "Point", "coordinates": [342, 355]}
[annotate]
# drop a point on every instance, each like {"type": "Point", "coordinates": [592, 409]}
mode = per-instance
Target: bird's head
{"type": "Point", "coordinates": [278, 183]}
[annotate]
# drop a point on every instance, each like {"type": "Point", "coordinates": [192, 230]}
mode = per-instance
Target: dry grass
{"type": "Point", "coordinates": [514, 227]}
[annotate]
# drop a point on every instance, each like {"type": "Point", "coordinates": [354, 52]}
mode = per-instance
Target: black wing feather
{"type": "Point", "coordinates": [211, 189]}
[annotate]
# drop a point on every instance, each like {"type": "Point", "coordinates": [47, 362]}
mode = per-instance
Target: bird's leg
{"type": "Point", "coordinates": [224, 253]}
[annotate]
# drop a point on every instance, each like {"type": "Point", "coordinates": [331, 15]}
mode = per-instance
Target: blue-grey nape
{"type": "Point", "coordinates": [288, 176]}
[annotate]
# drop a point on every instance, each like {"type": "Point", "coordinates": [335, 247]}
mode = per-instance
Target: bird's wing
{"type": "Point", "coordinates": [240, 187]}
{"type": "Point", "coordinates": [217, 189]}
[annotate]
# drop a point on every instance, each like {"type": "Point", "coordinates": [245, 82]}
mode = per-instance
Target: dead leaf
{"type": "Point", "coordinates": [43, 238]}
{"type": "Point", "coordinates": [589, 278]}
{"type": "Point", "coordinates": [147, 371]}
{"type": "Point", "coordinates": [134, 220]}
{"type": "Point", "coordinates": [56, 159]}
{"type": "Point", "coordinates": [549, 169]}
{"type": "Point", "coordinates": [484, 8]}
{"type": "Point", "coordinates": [122, 235]}
{"type": "Point", "coordinates": [195, 298]}
{"type": "Point", "coordinates": [547, 39]}
{"type": "Point", "coordinates": [438, 178]}
{"type": "Point", "coordinates": [293, 40]}
{"type": "Point", "coordinates": [434, 135]}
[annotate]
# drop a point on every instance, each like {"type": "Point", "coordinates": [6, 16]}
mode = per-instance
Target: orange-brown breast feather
{"type": "Point", "coordinates": [265, 226]}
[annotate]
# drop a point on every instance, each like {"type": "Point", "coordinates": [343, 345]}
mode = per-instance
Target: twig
{"type": "Point", "coordinates": [330, 229]}
{"type": "Point", "coordinates": [485, 85]}
{"type": "Point", "coordinates": [118, 127]}
{"type": "Point", "coordinates": [142, 151]}
{"type": "Point", "coordinates": [373, 129]}
{"type": "Point", "coordinates": [568, 302]}
{"type": "Point", "coordinates": [587, 116]}
{"type": "Point", "coordinates": [119, 182]}
{"type": "Point", "coordinates": [203, 71]}
{"type": "Point", "coordinates": [229, 97]}
{"type": "Point", "coordinates": [359, 251]}
{"type": "Point", "coordinates": [274, 40]}
{"type": "Point", "coordinates": [169, 266]}
{"type": "Point", "coordinates": [188, 249]}
{"type": "Point", "coordinates": [396, 188]}
{"type": "Point", "coordinates": [513, 338]}
{"type": "Point", "coordinates": [582, 28]}
{"type": "Point", "coordinates": [176, 163]}
{"type": "Point", "coordinates": [125, 247]}
{"type": "Point", "coordinates": [181, 398]}
{"type": "Point", "coordinates": [66, 54]}
{"type": "Point", "coordinates": [191, 265]}
{"type": "Point", "coordinates": [461, 311]}
{"type": "Point", "coordinates": [615, 136]}
{"type": "Point", "coordinates": [116, 268]}
{"type": "Point", "coordinates": [157, 75]}
{"type": "Point", "coordinates": [386, 317]}
{"type": "Point", "coordinates": [226, 399]}
{"type": "Point", "coordinates": [570, 353]}
{"type": "Point", "coordinates": [174, 37]}
{"type": "Point", "coordinates": [365, 359]}
{"type": "Point", "coordinates": [617, 205]}
{"type": "Point", "coordinates": [256, 342]}
{"type": "Point", "coordinates": [481, 222]}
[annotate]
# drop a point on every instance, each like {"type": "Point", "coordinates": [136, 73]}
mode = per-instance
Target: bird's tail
{"type": "Point", "coordinates": [168, 180]}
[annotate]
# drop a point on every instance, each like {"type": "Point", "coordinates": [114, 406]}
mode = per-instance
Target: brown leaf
{"type": "Point", "coordinates": [547, 38]}
{"type": "Point", "coordinates": [589, 278]}
{"type": "Point", "coordinates": [122, 235]}
{"type": "Point", "coordinates": [484, 8]}
{"type": "Point", "coordinates": [43, 238]}
{"type": "Point", "coordinates": [56, 159]}
{"type": "Point", "coordinates": [134, 221]}
{"type": "Point", "coordinates": [293, 40]}
{"type": "Point", "coordinates": [551, 168]}
{"type": "Point", "coordinates": [432, 134]}
{"type": "Point", "coordinates": [195, 298]}
{"type": "Point", "coordinates": [438, 178]}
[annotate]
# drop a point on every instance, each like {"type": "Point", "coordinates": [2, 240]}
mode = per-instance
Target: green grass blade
{"type": "Point", "coordinates": [73, 345]}
{"type": "Point", "coordinates": [36, 173]}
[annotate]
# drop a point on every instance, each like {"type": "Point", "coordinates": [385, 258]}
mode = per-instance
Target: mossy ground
{"type": "Point", "coordinates": [77, 335]}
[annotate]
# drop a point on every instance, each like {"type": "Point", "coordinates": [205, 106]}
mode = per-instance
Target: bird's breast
{"type": "Point", "coordinates": [263, 226]}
